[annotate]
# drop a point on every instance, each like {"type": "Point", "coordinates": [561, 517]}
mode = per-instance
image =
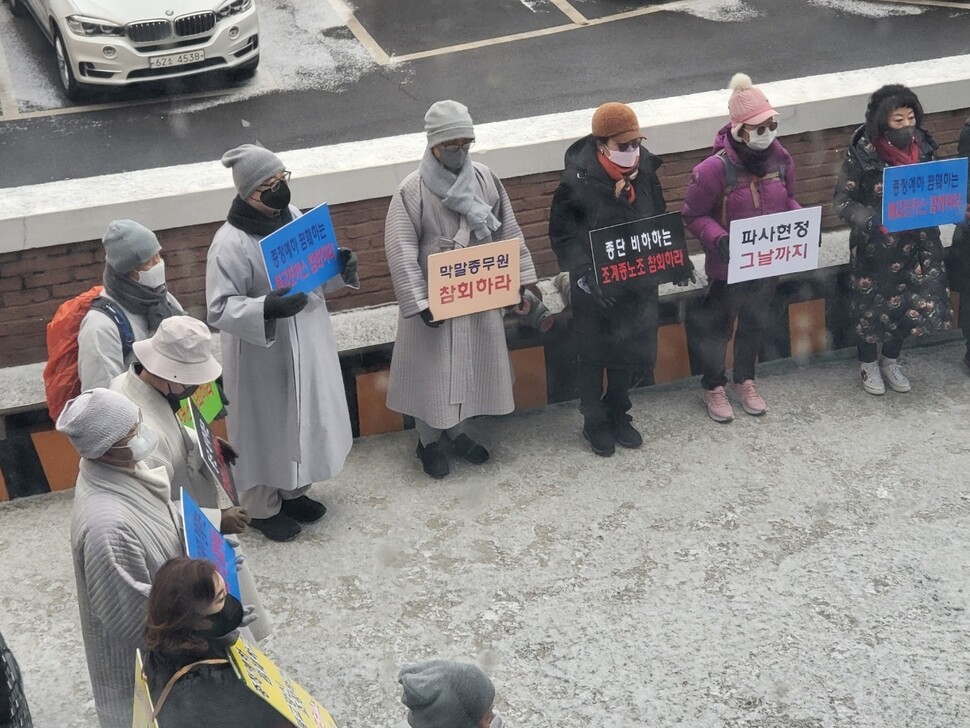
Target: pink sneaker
{"type": "Point", "coordinates": [745, 393]}
{"type": "Point", "coordinates": [718, 406]}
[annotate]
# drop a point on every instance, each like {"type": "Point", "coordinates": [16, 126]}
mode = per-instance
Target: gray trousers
{"type": "Point", "coordinates": [428, 434]}
{"type": "Point", "coordinates": [264, 501]}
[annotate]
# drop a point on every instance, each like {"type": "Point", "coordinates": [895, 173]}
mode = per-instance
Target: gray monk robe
{"type": "Point", "coordinates": [124, 527]}
{"type": "Point", "coordinates": [287, 413]}
{"type": "Point", "coordinates": [461, 369]}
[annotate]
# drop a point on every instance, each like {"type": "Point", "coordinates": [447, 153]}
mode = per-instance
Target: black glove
{"type": "Point", "coordinates": [348, 265]}
{"type": "Point", "coordinates": [428, 318]}
{"type": "Point", "coordinates": [227, 451]}
{"type": "Point", "coordinates": [724, 248]}
{"type": "Point", "coordinates": [692, 278]}
{"type": "Point", "coordinates": [278, 305]}
{"type": "Point", "coordinates": [593, 284]}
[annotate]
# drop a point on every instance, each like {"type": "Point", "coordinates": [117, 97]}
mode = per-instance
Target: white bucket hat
{"type": "Point", "coordinates": [180, 351]}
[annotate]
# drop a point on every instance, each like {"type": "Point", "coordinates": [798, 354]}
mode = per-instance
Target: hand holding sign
{"type": "Point", "coordinates": [303, 253]}
{"type": "Point", "coordinates": [279, 304]}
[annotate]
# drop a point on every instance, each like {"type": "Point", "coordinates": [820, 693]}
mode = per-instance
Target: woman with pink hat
{"type": "Point", "coordinates": [749, 174]}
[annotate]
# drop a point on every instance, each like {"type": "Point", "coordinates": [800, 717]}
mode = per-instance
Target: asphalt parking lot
{"type": "Point", "coordinates": [331, 72]}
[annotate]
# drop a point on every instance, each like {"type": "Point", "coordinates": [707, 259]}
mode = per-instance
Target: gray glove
{"type": "Point", "coordinates": [348, 267]}
{"type": "Point", "coordinates": [249, 615]}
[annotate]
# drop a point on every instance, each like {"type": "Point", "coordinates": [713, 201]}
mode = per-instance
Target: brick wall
{"type": "Point", "coordinates": [34, 282]}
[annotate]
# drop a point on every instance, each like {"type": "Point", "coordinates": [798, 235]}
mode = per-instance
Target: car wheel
{"type": "Point", "coordinates": [18, 9]}
{"type": "Point", "coordinates": [245, 72]}
{"type": "Point", "coordinates": [72, 89]}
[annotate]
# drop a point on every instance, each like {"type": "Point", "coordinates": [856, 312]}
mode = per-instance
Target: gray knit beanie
{"type": "Point", "coordinates": [96, 420]}
{"type": "Point", "coordinates": [447, 121]}
{"type": "Point", "coordinates": [251, 166]}
{"type": "Point", "coordinates": [446, 694]}
{"type": "Point", "coordinates": [128, 244]}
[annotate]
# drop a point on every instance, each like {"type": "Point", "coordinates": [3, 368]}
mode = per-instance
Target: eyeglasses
{"type": "Point", "coordinates": [455, 146]}
{"type": "Point", "coordinates": [630, 145]}
{"type": "Point", "coordinates": [760, 131]}
{"type": "Point", "coordinates": [275, 186]}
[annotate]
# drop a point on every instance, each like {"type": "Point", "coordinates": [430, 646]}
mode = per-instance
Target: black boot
{"type": "Point", "coordinates": [624, 432]}
{"type": "Point", "coordinates": [469, 450]}
{"type": "Point", "coordinates": [433, 460]}
{"type": "Point", "coordinates": [303, 509]}
{"type": "Point", "coordinates": [277, 528]}
{"type": "Point", "coordinates": [600, 437]}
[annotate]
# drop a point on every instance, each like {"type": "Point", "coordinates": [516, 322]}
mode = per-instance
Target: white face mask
{"type": "Point", "coordinates": [142, 444]}
{"type": "Point", "coordinates": [628, 158]}
{"type": "Point", "coordinates": [154, 276]}
{"type": "Point", "coordinates": [762, 142]}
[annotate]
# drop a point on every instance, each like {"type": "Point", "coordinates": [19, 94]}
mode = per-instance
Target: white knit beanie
{"type": "Point", "coordinates": [96, 420]}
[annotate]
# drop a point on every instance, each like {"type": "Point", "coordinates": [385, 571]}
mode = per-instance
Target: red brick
{"type": "Point", "coordinates": [30, 295]}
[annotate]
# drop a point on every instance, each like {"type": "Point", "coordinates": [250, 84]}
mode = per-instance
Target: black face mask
{"type": "Point", "coordinates": [174, 399]}
{"type": "Point", "coordinates": [901, 138]}
{"type": "Point", "coordinates": [276, 199]}
{"type": "Point", "coordinates": [225, 620]}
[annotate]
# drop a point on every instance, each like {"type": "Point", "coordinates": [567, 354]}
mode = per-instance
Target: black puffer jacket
{"type": "Point", "coordinates": [208, 695]}
{"type": "Point", "coordinates": [624, 335]}
{"type": "Point", "coordinates": [958, 255]}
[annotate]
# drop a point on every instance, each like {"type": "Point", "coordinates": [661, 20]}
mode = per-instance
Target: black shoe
{"type": "Point", "coordinates": [433, 460]}
{"type": "Point", "coordinates": [625, 433]}
{"type": "Point", "coordinates": [600, 438]}
{"type": "Point", "coordinates": [303, 509]}
{"type": "Point", "coordinates": [469, 450]}
{"type": "Point", "coordinates": [277, 528]}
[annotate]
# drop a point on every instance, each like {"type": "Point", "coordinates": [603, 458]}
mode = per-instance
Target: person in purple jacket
{"type": "Point", "coordinates": [749, 174]}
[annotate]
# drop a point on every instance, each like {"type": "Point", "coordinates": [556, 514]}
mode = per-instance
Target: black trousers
{"type": "Point", "coordinates": [965, 317]}
{"type": "Point", "coordinates": [710, 326]}
{"type": "Point", "coordinates": [868, 353]}
{"type": "Point", "coordinates": [596, 406]}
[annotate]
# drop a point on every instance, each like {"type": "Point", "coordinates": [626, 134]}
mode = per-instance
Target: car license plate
{"type": "Point", "coordinates": [176, 59]}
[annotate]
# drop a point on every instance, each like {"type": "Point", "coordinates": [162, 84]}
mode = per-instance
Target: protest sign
{"type": "Point", "coordinates": [640, 253]}
{"type": "Point", "coordinates": [923, 195]}
{"type": "Point", "coordinates": [143, 705]}
{"type": "Point", "coordinates": [203, 541]}
{"type": "Point", "coordinates": [209, 402]}
{"type": "Point", "coordinates": [302, 253]}
{"type": "Point", "coordinates": [772, 245]}
{"type": "Point", "coordinates": [473, 279]}
{"type": "Point", "coordinates": [212, 454]}
{"type": "Point", "coordinates": [265, 679]}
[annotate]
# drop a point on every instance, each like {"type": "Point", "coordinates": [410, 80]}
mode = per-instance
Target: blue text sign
{"type": "Point", "coordinates": [203, 541]}
{"type": "Point", "coordinates": [923, 195]}
{"type": "Point", "coordinates": [302, 253]}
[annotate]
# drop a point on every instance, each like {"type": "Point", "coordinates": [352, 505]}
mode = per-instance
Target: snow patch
{"type": "Point", "coordinates": [720, 11]}
{"type": "Point", "coordinates": [868, 9]}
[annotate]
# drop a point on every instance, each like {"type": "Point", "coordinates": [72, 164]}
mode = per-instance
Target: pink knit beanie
{"type": "Point", "coordinates": [748, 104]}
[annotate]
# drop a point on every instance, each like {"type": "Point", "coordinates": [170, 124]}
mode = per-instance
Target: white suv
{"type": "Point", "coordinates": [121, 42]}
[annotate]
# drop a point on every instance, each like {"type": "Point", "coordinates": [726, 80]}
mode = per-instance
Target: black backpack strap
{"type": "Point", "coordinates": [731, 181]}
{"type": "Point", "coordinates": [113, 311]}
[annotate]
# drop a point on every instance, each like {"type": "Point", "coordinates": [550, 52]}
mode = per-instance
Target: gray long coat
{"type": "Point", "coordinates": [123, 529]}
{"type": "Point", "coordinates": [287, 413]}
{"type": "Point", "coordinates": [460, 369]}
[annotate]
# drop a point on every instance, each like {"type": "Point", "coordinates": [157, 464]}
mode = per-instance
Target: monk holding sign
{"type": "Point", "coordinates": [445, 371]}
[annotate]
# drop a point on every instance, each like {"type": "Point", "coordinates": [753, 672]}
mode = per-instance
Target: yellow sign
{"type": "Point", "coordinates": [473, 279]}
{"type": "Point", "coordinates": [265, 679]}
{"type": "Point", "coordinates": [143, 709]}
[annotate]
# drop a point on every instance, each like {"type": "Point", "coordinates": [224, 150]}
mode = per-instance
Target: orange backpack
{"type": "Point", "coordinates": [61, 380]}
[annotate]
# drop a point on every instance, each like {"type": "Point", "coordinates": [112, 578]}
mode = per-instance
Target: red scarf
{"type": "Point", "coordinates": [623, 176]}
{"type": "Point", "coordinates": [894, 156]}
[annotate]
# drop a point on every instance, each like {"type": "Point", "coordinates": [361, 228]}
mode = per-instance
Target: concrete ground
{"type": "Point", "coordinates": [808, 568]}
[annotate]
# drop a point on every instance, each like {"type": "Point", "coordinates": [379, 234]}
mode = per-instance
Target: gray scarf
{"type": "Point", "coordinates": [152, 303]}
{"type": "Point", "coordinates": [459, 192]}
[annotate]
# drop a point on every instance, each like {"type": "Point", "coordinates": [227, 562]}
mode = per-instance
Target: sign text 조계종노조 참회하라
{"type": "Point", "coordinates": [639, 253]}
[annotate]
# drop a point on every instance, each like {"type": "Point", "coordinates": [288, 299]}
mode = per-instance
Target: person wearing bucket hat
{"type": "Point", "coordinates": [443, 373]}
{"type": "Point", "coordinates": [289, 412]}
{"type": "Point", "coordinates": [447, 694]}
{"type": "Point", "coordinates": [609, 179]}
{"type": "Point", "coordinates": [134, 300]}
{"type": "Point", "coordinates": [124, 527]}
{"type": "Point", "coordinates": [749, 174]}
{"type": "Point", "coordinates": [898, 280]}
{"type": "Point", "coordinates": [170, 366]}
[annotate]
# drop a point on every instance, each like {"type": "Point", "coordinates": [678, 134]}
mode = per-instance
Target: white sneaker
{"type": "Point", "coordinates": [892, 373]}
{"type": "Point", "coordinates": [872, 378]}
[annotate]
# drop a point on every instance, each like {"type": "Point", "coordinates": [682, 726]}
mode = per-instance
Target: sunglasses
{"type": "Point", "coordinates": [760, 131]}
{"type": "Point", "coordinates": [630, 145]}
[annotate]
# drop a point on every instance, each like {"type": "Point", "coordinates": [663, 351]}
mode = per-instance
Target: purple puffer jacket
{"type": "Point", "coordinates": [708, 182]}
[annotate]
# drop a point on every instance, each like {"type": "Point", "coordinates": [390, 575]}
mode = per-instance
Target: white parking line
{"type": "Point", "coordinates": [9, 108]}
{"type": "Point", "coordinates": [347, 17]}
{"type": "Point", "coordinates": [572, 13]}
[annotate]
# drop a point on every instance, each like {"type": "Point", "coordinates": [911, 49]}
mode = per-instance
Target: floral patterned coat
{"type": "Point", "coordinates": [898, 280]}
